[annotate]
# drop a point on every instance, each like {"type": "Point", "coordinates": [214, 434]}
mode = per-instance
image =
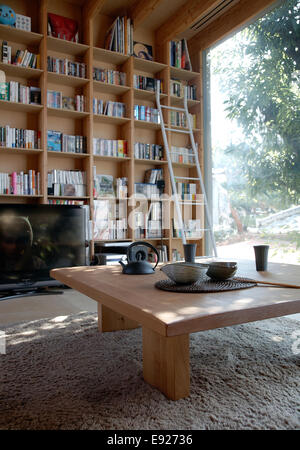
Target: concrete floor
{"type": "Point", "coordinates": [48, 306]}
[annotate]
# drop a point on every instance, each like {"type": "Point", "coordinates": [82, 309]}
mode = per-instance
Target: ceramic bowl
{"type": "Point", "coordinates": [218, 270]}
{"type": "Point", "coordinates": [185, 273]}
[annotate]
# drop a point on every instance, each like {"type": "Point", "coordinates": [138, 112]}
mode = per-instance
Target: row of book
{"type": "Point", "coordinates": [106, 186]}
{"type": "Point", "coordinates": [178, 119]}
{"type": "Point", "coordinates": [19, 138]}
{"type": "Point", "coordinates": [178, 87]}
{"type": "Point", "coordinates": [20, 183]}
{"type": "Point", "coordinates": [110, 147]}
{"type": "Point", "coordinates": [109, 76]}
{"type": "Point", "coordinates": [186, 191]}
{"type": "Point", "coordinates": [176, 255]}
{"type": "Point", "coordinates": [67, 183]}
{"type": "Point", "coordinates": [179, 55]}
{"type": "Point", "coordinates": [66, 67]}
{"type": "Point", "coordinates": [146, 113]}
{"type": "Point", "coordinates": [148, 225]}
{"type": "Point", "coordinates": [22, 58]}
{"type": "Point", "coordinates": [13, 91]}
{"type": "Point", "coordinates": [61, 142]}
{"type": "Point", "coordinates": [148, 151]}
{"type": "Point", "coordinates": [110, 220]}
{"type": "Point", "coordinates": [148, 190]}
{"type": "Point", "coordinates": [113, 109]}
{"type": "Point", "coordinates": [55, 99]}
{"type": "Point", "coordinates": [65, 202]}
{"type": "Point", "coordinates": [119, 36]}
{"type": "Point", "coordinates": [192, 228]}
{"type": "Point", "coordinates": [182, 155]}
{"type": "Point", "coordinates": [147, 83]}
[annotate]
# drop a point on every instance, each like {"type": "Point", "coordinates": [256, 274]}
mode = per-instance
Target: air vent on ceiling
{"type": "Point", "coordinates": [211, 15]}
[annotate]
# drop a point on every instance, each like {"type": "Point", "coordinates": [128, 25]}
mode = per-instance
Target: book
{"type": "Point", "coordinates": [104, 185]}
{"type": "Point", "coordinates": [54, 141]}
{"type": "Point", "coordinates": [68, 103]}
{"type": "Point", "coordinates": [141, 50]}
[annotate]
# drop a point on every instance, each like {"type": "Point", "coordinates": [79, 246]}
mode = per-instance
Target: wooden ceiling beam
{"type": "Point", "coordinates": [183, 19]}
{"type": "Point", "coordinates": [91, 8]}
{"type": "Point", "coordinates": [141, 10]}
{"type": "Point", "coordinates": [232, 19]}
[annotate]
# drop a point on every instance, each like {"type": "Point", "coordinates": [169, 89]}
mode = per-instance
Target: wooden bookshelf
{"type": "Point", "coordinates": [91, 52]}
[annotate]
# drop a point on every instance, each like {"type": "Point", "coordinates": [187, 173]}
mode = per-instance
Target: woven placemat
{"type": "Point", "coordinates": [206, 286]}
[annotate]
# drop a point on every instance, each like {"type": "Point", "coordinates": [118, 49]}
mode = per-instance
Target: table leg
{"type": "Point", "coordinates": [166, 363]}
{"type": "Point", "coordinates": [109, 320]}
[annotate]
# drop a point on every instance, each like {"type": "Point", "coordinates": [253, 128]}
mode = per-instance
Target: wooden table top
{"type": "Point", "coordinates": [170, 313]}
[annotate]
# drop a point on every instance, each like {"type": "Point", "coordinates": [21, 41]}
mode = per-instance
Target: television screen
{"type": "Point", "coordinates": [37, 238]}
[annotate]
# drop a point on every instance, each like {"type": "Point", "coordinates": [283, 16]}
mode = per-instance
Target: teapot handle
{"type": "Point", "coordinates": [145, 244]}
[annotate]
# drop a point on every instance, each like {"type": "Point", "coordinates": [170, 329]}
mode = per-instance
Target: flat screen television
{"type": "Point", "coordinates": [37, 238]}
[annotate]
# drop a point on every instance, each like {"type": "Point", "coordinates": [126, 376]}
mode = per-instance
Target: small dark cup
{"type": "Point", "coordinates": [189, 252]}
{"type": "Point", "coordinates": [261, 257]}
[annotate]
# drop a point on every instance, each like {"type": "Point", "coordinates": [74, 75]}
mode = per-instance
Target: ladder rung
{"type": "Point", "coordinates": [186, 178]}
{"type": "Point", "coordinates": [172, 107]}
{"type": "Point", "coordinates": [177, 130]}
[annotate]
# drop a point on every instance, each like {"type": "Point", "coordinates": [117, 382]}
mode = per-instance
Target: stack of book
{"type": "Point", "coordinates": [109, 76]}
{"type": "Point", "coordinates": [60, 142]}
{"type": "Point", "coordinates": [66, 67]}
{"type": "Point", "coordinates": [19, 138]}
{"type": "Point", "coordinates": [148, 151]}
{"type": "Point", "coordinates": [192, 227]}
{"type": "Point", "coordinates": [179, 55]}
{"type": "Point", "coordinates": [55, 99]}
{"type": "Point", "coordinates": [186, 191]}
{"type": "Point", "coordinates": [110, 220]}
{"type": "Point", "coordinates": [110, 147]}
{"type": "Point", "coordinates": [178, 119]}
{"type": "Point", "coordinates": [182, 155]}
{"type": "Point", "coordinates": [146, 113]}
{"type": "Point", "coordinates": [22, 58]}
{"type": "Point", "coordinates": [146, 83]}
{"type": "Point", "coordinates": [119, 36]}
{"type": "Point", "coordinates": [177, 88]}
{"type": "Point", "coordinates": [20, 183]}
{"type": "Point", "coordinates": [13, 91]}
{"type": "Point", "coordinates": [67, 183]}
{"type": "Point", "coordinates": [148, 225]}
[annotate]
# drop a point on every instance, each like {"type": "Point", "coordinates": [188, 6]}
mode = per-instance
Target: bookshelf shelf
{"type": "Point", "coordinates": [107, 56]}
{"type": "Point", "coordinates": [21, 72]}
{"type": "Point", "coordinates": [66, 80]}
{"type": "Point", "coordinates": [8, 33]}
{"type": "Point", "coordinates": [145, 65]}
{"type": "Point", "coordinates": [20, 196]}
{"type": "Point", "coordinates": [110, 119]}
{"type": "Point", "coordinates": [149, 161]}
{"type": "Point", "coordinates": [66, 47]}
{"type": "Point", "coordinates": [183, 74]}
{"type": "Point", "coordinates": [68, 154]}
{"type": "Point", "coordinates": [146, 95]}
{"type": "Point", "coordinates": [67, 197]}
{"type": "Point", "coordinates": [179, 129]}
{"type": "Point", "coordinates": [60, 112]}
{"type": "Point", "coordinates": [111, 158]}
{"type": "Point", "coordinates": [20, 107]}
{"type": "Point", "coordinates": [145, 124]}
{"type": "Point", "coordinates": [108, 88]}
{"type": "Point", "coordinates": [17, 150]}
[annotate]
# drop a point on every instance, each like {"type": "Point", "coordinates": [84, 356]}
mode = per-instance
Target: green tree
{"type": "Point", "coordinates": [260, 71]}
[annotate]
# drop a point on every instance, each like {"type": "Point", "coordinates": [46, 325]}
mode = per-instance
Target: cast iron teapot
{"type": "Point", "coordinates": [137, 263]}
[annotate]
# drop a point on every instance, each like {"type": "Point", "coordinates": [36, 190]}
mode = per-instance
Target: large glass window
{"type": "Point", "coordinates": [255, 136]}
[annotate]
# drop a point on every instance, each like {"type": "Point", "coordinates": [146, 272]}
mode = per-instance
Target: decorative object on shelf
{"type": "Point", "coordinates": [143, 51]}
{"type": "Point", "coordinates": [7, 16]}
{"type": "Point", "coordinates": [219, 270]}
{"type": "Point", "coordinates": [62, 27]}
{"type": "Point", "coordinates": [185, 272]}
{"type": "Point", "coordinates": [23, 22]}
{"type": "Point", "coordinates": [136, 261]}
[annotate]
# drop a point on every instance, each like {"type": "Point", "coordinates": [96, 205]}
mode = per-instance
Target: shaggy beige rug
{"type": "Point", "coordinates": [63, 374]}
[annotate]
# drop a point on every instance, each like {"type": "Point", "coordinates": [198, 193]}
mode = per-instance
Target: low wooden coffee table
{"type": "Point", "coordinates": [167, 318]}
